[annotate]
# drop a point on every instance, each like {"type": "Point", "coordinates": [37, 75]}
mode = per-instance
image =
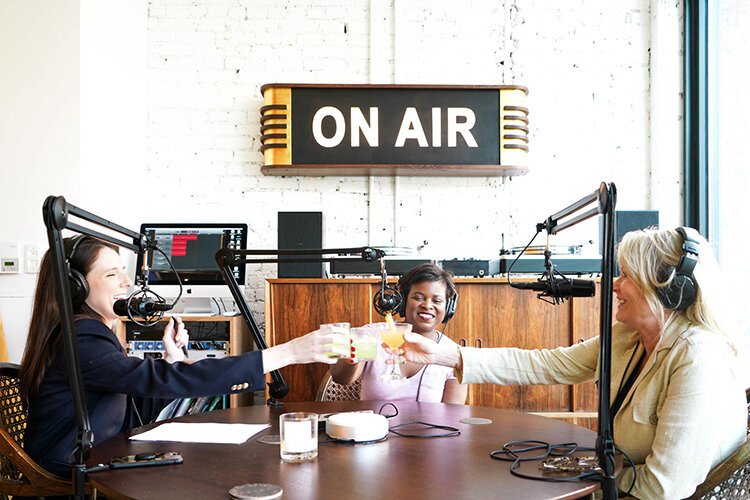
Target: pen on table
{"type": "Point", "coordinates": [184, 348]}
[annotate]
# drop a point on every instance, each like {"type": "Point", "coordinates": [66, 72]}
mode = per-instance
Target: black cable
{"type": "Point", "coordinates": [510, 452]}
{"type": "Point", "coordinates": [424, 370]}
{"type": "Point", "coordinates": [395, 408]}
{"type": "Point", "coordinates": [451, 431]}
{"type": "Point", "coordinates": [521, 253]}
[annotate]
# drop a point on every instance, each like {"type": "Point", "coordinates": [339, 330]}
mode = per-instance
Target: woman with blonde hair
{"type": "Point", "coordinates": [678, 402]}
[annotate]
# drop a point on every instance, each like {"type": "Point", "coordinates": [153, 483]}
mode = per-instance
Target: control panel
{"type": "Point", "coordinates": [208, 339]}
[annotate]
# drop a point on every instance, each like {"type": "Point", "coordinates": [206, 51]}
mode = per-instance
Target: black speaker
{"type": "Point", "coordinates": [631, 220]}
{"type": "Point", "coordinates": [299, 231]}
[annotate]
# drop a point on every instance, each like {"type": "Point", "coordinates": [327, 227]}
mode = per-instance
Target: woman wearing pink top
{"type": "Point", "coordinates": [429, 299]}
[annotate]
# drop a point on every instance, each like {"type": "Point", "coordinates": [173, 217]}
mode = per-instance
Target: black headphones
{"type": "Point", "coordinates": [450, 305]}
{"type": "Point", "coordinates": [79, 287]}
{"type": "Point", "coordinates": [679, 294]}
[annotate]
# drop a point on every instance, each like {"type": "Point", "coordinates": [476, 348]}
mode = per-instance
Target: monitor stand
{"type": "Point", "coordinates": [195, 306]}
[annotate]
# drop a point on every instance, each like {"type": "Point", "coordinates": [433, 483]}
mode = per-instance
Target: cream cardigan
{"type": "Point", "coordinates": [685, 413]}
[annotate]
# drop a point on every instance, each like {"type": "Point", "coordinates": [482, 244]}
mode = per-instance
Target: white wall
{"type": "Point", "coordinates": [39, 134]}
{"type": "Point", "coordinates": [587, 65]}
{"type": "Point", "coordinates": [72, 87]}
{"type": "Point", "coordinates": [599, 112]}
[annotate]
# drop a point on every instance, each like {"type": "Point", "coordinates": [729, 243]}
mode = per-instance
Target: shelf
{"type": "Point", "coordinates": [395, 170]}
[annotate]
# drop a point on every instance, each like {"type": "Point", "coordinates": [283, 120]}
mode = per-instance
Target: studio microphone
{"type": "Point", "coordinates": [386, 300]}
{"type": "Point", "coordinates": [142, 306]}
{"type": "Point", "coordinates": [560, 288]}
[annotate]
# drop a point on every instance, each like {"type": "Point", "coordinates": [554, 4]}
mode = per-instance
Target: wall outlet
{"type": "Point", "coordinates": [31, 258]}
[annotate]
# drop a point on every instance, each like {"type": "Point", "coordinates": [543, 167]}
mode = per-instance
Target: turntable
{"type": "Point", "coordinates": [394, 266]}
{"type": "Point", "coordinates": [476, 268]}
{"type": "Point", "coordinates": [566, 258]}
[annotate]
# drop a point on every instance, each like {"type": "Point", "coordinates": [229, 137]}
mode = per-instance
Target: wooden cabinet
{"type": "Point", "coordinates": [239, 338]}
{"type": "Point", "coordinates": [490, 314]}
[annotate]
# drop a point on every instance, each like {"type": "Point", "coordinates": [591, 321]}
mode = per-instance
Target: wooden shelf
{"type": "Point", "coordinates": [240, 342]}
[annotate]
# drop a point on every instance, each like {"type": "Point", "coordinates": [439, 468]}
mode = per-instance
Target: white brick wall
{"type": "Point", "coordinates": [586, 65]}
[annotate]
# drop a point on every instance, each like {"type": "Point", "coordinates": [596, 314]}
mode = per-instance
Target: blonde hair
{"type": "Point", "coordinates": [650, 258]}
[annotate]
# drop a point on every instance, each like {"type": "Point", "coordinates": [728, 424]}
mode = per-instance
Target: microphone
{"type": "Point", "coordinates": [143, 306]}
{"type": "Point", "coordinates": [386, 300]}
{"type": "Point", "coordinates": [560, 288]}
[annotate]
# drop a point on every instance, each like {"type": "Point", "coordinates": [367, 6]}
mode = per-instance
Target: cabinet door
{"type": "Point", "coordinates": [501, 316]}
{"type": "Point", "coordinates": [301, 307]}
{"type": "Point", "coordinates": [586, 326]}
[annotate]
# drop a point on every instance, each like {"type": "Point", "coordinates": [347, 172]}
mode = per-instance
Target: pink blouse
{"type": "Point", "coordinates": [426, 386]}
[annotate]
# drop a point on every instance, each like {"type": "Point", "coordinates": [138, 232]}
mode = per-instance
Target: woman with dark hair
{"type": "Point", "coordinates": [428, 300]}
{"type": "Point", "coordinates": [123, 391]}
{"type": "Point", "coordinates": [678, 398]}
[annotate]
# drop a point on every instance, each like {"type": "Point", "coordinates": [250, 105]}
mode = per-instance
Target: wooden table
{"type": "Point", "coordinates": [400, 467]}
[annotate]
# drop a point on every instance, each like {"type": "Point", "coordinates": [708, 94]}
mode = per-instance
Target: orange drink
{"type": "Point", "coordinates": [393, 338]}
{"type": "Point", "coordinates": [392, 334]}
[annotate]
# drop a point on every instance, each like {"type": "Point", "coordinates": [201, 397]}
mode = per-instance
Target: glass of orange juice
{"type": "Point", "coordinates": [392, 334]}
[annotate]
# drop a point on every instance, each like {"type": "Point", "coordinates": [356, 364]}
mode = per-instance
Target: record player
{"type": "Point", "coordinates": [394, 266]}
{"type": "Point", "coordinates": [476, 268]}
{"type": "Point", "coordinates": [567, 259]}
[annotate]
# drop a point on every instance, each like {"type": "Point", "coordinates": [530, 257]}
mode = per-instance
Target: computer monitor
{"type": "Point", "coordinates": [192, 249]}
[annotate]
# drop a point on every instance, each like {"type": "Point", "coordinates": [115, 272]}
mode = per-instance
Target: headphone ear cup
{"type": "Point", "coordinates": [79, 287]}
{"type": "Point", "coordinates": [450, 308]}
{"type": "Point", "coordinates": [679, 293]}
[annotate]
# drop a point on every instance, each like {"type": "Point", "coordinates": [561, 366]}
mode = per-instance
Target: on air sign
{"type": "Point", "coordinates": [389, 130]}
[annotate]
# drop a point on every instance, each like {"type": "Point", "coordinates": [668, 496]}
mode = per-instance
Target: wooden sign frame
{"type": "Point", "coordinates": [388, 130]}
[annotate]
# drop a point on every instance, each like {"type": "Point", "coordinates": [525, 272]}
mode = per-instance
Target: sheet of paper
{"type": "Point", "coordinates": [201, 433]}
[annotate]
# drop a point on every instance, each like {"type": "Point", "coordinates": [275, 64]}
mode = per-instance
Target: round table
{"type": "Point", "coordinates": [397, 468]}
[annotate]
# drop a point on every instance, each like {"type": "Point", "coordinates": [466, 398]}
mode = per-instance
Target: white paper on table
{"type": "Point", "coordinates": [201, 433]}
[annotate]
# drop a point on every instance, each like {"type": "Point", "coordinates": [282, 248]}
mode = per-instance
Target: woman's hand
{"type": "Point", "coordinates": [175, 338]}
{"type": "Point", "coordinates": [417, 349]}
{"type": "Point", "coordinates": [315, 347]}
{"type": "Point", "coordinates": [420, 349]}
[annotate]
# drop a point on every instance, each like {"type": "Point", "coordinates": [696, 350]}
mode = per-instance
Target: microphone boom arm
{"type": "Point", "coordinates": [605, 198]}
{"type": "Point", "coordinates": [56, 212]}
{"type": "Point", "coordinates": [227, 257]}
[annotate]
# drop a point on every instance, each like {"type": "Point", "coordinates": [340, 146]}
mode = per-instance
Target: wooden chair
{"type": "Point", "coordinates": [331, 391]}
{"type": "Point", "coordinates": [19, 474]}
{"type": "Point", "coordinates": [731, 478]}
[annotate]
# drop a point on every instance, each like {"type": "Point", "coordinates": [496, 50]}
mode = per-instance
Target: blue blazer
{"type": "Point", "coordinates": [110, 378]}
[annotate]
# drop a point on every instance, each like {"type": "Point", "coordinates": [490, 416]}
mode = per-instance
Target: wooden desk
{"type": "Point", "coordinates": [400, 467]}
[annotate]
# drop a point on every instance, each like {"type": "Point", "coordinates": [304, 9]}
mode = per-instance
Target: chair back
{"type": "Point", "coordinates": [332, 391]}
{"type": "Point", "coordinates": [731, 478]}
{"type": "Point", "coordinates": [12, 415]}
{"type": "Point", "coordinates": [19, 474]}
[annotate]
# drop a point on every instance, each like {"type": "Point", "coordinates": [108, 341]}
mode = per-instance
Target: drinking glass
{"type": "Point", "coordinates": [299, 436]}
{"type": "Point", "coordinates": [365, 340]}
{"type": "Point", "coordinates": [393, 336]}
{"type": "Point", "coordinates": [341, 338]}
